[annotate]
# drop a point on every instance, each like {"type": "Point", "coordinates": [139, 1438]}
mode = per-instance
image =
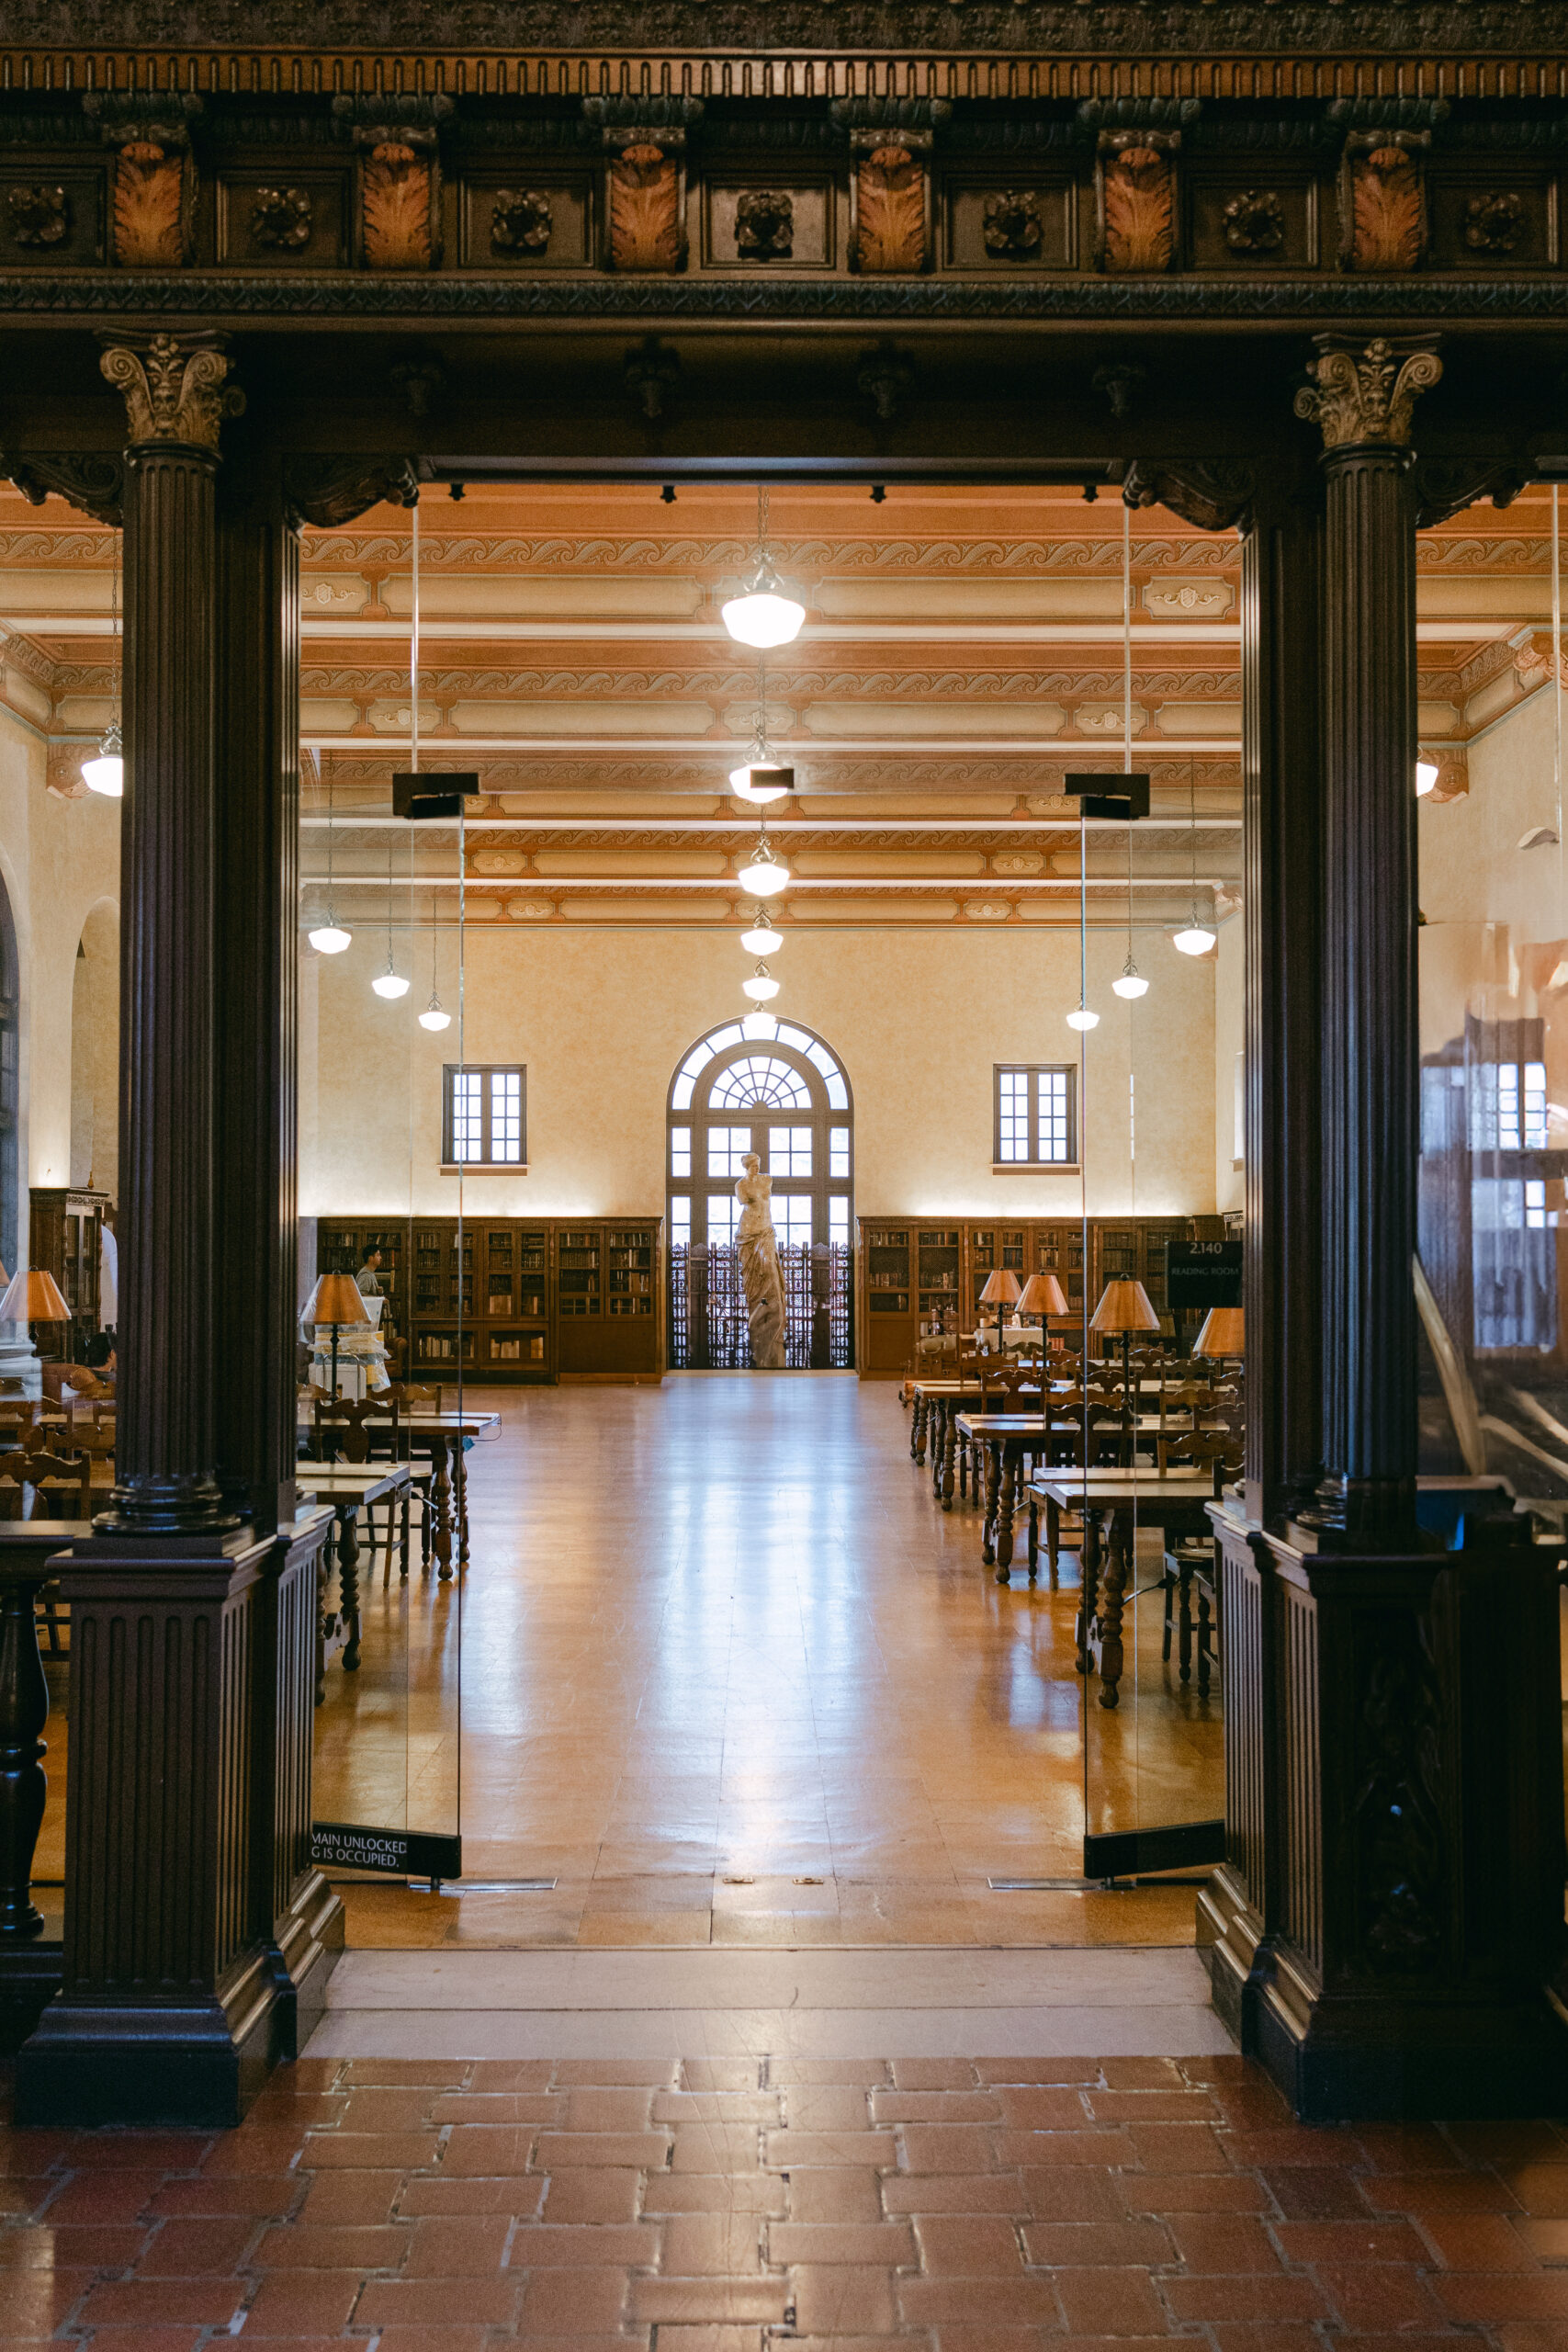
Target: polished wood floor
{"type": "Point", "coordinates": [723, 1669]}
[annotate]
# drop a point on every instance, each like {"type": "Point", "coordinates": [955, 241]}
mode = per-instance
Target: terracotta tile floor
{"type": "Point", "coordinates": [728, 2204]}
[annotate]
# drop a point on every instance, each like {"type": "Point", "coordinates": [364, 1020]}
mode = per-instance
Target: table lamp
{"type": "Point", "coordinates": [1125, 1308]}
{"type": "Point", "coordinates": [335, 1302]}
{"type": "Point", "coordinates": [1043, 1296]}
{"type": "Point", "coordinates": [32, 1296]}
{"type": "Point", "coordinates": [1223, 1333]}
{"type": "Point", "coordinates": [1001, 1290]}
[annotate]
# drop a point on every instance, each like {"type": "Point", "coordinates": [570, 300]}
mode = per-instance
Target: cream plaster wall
{"type": "Point", "coordinates": [918, 1019]}
{"type": "Point", "coordinates": [59, 859]}
{"type": "Point", "coordinates": [1230, 1030]}
{"type": "Point", "coordinates": [1496, 916]}
{"type": "Point", "coordinates": [95, 1053]}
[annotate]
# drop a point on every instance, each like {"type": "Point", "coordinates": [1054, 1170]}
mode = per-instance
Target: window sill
{"type": "Point", "coordinates": [1036, 1167]}
{"type": "Point", "coordinates": [484, 1168]}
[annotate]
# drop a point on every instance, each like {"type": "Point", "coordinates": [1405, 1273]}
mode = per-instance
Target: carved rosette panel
{"type": "Point", "coordinates": [1382, 201]}
{"type": "Point", "coordinates": [1136, 187]}
{"type": "Point", "coordinates": [397, 206]}
{"type": "Point", "coordinates": [891, 188]}
{"type": "Point", "coordinates": [646, 230]}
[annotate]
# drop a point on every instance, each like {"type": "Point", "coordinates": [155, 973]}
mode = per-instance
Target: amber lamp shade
{"type": "Point", "coordinates": [1125, 1307]}
{"type": "Point", "coordinates": [336, 1300]}
{"type": "Point", "coordinates": [1002, 1288]}
{"type": "Point", "coordinates": [1223, 1333]}
{"type": "Point", "coordinates": [32, 1296]}
{"type": "Point", "coordinates": [1043, 1295]}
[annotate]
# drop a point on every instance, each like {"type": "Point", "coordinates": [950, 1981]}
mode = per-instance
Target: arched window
{"type": "Point", "coordinates": [772, 1088]}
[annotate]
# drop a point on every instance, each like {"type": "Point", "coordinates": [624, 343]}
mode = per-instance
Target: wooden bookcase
{"type": "Point", "coordinates": [534, 1299]}
{"type": "Point", "coordinates": [66, 1226]}
{"type": "Point", "coordinates": [907, 1268]}
{"type": "Point", "coordinates": [341, 1245]}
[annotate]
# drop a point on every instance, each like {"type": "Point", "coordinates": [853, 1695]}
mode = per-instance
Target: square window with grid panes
{"type": "Point", "coordinates": [792, 1219]}
{"type": "Point", "coordinates": [789, 1151]}
{"type": "Point", "coordinates": [680, 1151]}
{"type": "Point", "coordinates": [728, 1147]}
{"type": "Point", "coordinates": [1035, 1122]}
{"type": "Point", "coordinates": [484, 1115]}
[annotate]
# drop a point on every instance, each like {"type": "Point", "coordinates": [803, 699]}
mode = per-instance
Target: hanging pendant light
{"type": "Point", "coordinates": [765, 874]}
{"type": "Point", "coordinates": [762, 614]}
{"type": "Point", "coordinates": [1130, 982]}
{"type": "Point", "coordinates": [762, 939]}
{"type": "Point", "coordinates": [752, 780]}
{"type": "Point", "coordinates": [758, 1025]}
{"type": "Point", "coordinates": [433, 1017]}
{"type": "Point", "coordinates": [105, 773]}
{"type": "Point", "coordinates": [1082, 1017]}
{"type": "Point", "coordinates": [1426, 777]}
{"type": "Point", "coordinates": [328, 938]}
{"type": "Point", "coordinates": [1196, 939]}
{"type": "Point", "coordinates": [761, 986]}
{"type": "Point", "coordinates": [389, 983]}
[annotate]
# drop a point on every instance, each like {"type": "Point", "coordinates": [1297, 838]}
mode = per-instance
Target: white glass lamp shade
{"type": "Point", "coordinates": [751, 783]}
{"type": "Point", "coordinates": [765, 874]}
{"type": "Point", "coordinates": [761, 939]}
{"type": "Point", "coordinates": [105, 772]}
{"type": "Point", "coordinates": [758, 1024]}
{"type": "Point", "coordinates": [433, 1017]}
{"type": "Point", "coordinates": [328, 939]}
{"type": "Point", "coordinates": [1194, 941]}
{"type": "Point", "coordinates": [1082, 1018]}
{"type": "Point", "coordinates": [1130, 984]}
{"type": "Point", "coordinates": [761, 616]}
{"type": "Point", "coordinates": [761, 986]}
{"type": "Point", "coordinates": [1426, 777]}
{"type": "Point", "coordinates": [390, 984]}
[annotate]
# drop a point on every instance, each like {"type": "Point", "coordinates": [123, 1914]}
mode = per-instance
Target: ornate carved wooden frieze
{"type": "Point", "coordinates": [175, 388]}
{"type": "Point", "coordinates": [38, 216]}
{"type": "Point", "coordinates": [1136, 193]}
{"type": "Point", "coordinates": [890, 186]}
{"type": "Point", "coordinates": [329, 492]}
{"type": "Point", "coordinates": [1367, 392]}
{"type": "Point", "coordinates": [95, 484]}
{"type": "Point", "coordinates": [154, 199]}
{"type": "Point", "coordinates": [398, 177]}
{"type": "Point", "coordinates": [1212, 496]}
{"type": "Point", "coordinates": [646, 200]}
{"type": "Point", "coordinates": [1382, 201]}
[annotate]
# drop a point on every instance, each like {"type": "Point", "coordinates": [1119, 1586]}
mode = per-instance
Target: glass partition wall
{"type": "Point", "coordinates": [391, 1120]}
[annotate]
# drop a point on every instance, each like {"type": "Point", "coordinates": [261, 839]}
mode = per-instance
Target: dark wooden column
{"type": "Point", "coordinates": [256, 638]}
{"type": "Point", "coordinates": [176, 396]}
{"type": "Point", "coordinates": [1392, 1913]}
{"type": "Point", "coordinates": [1363, 400]}
{"type": "Point", "coordinates": [197, 1936]}
{"type": "Point", "coordinates": [1280, 514]}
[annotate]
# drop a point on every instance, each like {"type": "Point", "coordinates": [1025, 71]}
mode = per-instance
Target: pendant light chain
{"type": "Point", "coordinates": [1130, 969]}
{"type": "Point", "coordinates": [1557, 663]}
{"type": "Point", "coordinates": [414, 644]}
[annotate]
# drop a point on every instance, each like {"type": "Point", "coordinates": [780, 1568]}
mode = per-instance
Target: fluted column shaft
{"type": "Point", "coordinates": [170, 1311]}
{"type": "Point", "coordinates": [1282, 803]}
{"type": "Point", "coordinates": [1370, 1036]}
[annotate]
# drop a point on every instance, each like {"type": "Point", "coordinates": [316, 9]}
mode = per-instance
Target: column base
{"type": "Point", "coordinates": [309, 1942]}
{"type": "Point", "coordinates": [1339, 2059]}
{"type": "Point", "coordinates": [1232, 1947]}
{"type": "Point", "coordinates": [198, 2063]}
{"type": "Point", "coordinates": [29, 1979]}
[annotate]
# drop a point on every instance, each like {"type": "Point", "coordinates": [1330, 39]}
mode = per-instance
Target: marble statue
{"type": "Point", "coordinates": [760, 1268]}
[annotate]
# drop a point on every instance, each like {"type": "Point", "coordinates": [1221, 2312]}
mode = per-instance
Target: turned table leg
{"type": "Point", "coordinates": [991, 1465]}
{"type": "Point", "coordinates": [917, 1427]}
{"type": "Point", "coordinates": [24, 1786]}
{"type": "Point", "coordinates": [1116, 1567]}
{"type": "Point", "coordinates": [348, 1581]}
{"type": "Point", "coordinates": [325, 1562]}
{"type": "Point", "coordinates": [441, 1508]}
{"type": "Point", "coordinates": [949, 1449]}
{"type": "Point", "coordinates": [1089, 1597]}
{"type": "Point", "coordinates": [1006, 1487]}
{"type": "Point", "coordinates": [1033, 1535]}
{"type": "Point", "coordinates": [461, 1485]}
{"type": "Point", "coordinates": [1184, 1619]}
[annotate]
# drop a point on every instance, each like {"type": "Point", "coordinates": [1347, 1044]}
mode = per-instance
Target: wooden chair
{"type": "Point", "coordinates": [1192, 1562]}
{"type": "Point", "coordinates": [411, 1397]}
{"type": "Point", "coordinates": [55, 1483]}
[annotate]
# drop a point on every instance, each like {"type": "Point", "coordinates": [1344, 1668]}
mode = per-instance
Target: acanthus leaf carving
{"type": "Point", "coordinates": [93, 484]}
{"type": "Point", "coordinates": [1135, 181]}
{"type": "Point", "coordinates": [1446, 486]}
{"type": "Point", "coordinates": [1382, 198]}
{"type": "Point", "coordinates": [1367, 392]}
{"type": "Point", "coordinates": [329, 492]}
{"type": "Point", "coordinates": [1398, 1809]}
{"type": "Point", "coordinates": [646, 233]}
{"type": "Point", "coordinates": [1215, 496]}
{"type": "Point", "coordinates": [175, 388]}
{"type": "Point", "coordinates": [890, 191]}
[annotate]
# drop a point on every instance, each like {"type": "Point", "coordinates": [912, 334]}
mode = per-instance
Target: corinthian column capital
{"type": "Point", "coordinates": [1365, 392]}
{"type": "Point", "coordinates": [175, 387]}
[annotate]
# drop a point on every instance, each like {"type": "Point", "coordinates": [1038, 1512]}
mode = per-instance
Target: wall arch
{"type": "Point", "coordinates": [774, 1088]}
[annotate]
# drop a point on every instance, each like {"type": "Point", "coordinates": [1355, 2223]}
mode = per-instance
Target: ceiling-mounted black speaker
{"type": "Point", "coordinates": [433, 792]}
{"type": "Point", "coordinates": [1126, 797]}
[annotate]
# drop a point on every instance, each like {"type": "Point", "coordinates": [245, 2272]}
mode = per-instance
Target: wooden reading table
{"type": "Point", "coordinates": [1113, 1504]}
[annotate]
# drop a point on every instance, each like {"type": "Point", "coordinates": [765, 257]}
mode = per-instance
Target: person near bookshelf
{"type": "Point", "coordinates": [367, 1277]}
